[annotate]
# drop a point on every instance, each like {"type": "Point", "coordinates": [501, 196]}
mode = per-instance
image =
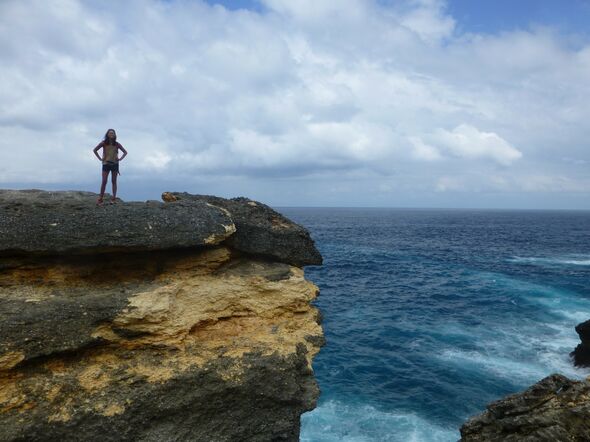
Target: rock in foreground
{"type": "Point", "coordinates": [554, 409]}
{"type": "Point", "coordinates": [174, 338]}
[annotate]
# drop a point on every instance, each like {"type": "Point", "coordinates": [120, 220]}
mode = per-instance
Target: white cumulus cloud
{"type": "Point", "coordinates": [466, 141]}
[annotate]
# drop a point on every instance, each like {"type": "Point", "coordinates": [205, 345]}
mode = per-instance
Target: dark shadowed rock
{"type": "Point", "coordinates": [260, 230]}
{"type": "Point", "coordinates": [36, 221]}
{"type": "Point", "coordinates": [581, 354]}
{"type": "Point", "coordinates": [554, 409]}
{"type": "Point", "coordinates": [195, 405]}
{"type": "Point", "coordinates": [63, 323]}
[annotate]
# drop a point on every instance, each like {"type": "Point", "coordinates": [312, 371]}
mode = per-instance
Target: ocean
{"type": "Point", "coordinates": [431, 314]}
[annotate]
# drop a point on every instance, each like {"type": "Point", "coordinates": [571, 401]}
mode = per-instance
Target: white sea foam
{"type": "Point", "coordinates": [566, 303]}
{"type": "Point", "coordinates": [522, 371]}
{"type": "Point", "coordinates": [522, 353]}
{"type": "Point", "coordinates": [498, 366]}
{"type": "Point", "coordinates": [576, 260]}
{"type": "Point", "coordinates": [530, 349]}
{"type": "Point", "coordinates": [575, 316]}
{"type": "Point", "coordinates": [335, 421]}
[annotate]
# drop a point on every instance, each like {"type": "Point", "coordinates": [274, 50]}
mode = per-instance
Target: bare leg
{"type": "Point", "coordinates": [105, 176]}
{"type": "Point", "coordinates": [114, 181]}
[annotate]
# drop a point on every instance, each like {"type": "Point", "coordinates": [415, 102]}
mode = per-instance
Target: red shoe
{"type": "Point", "coordinates": [99, 201]}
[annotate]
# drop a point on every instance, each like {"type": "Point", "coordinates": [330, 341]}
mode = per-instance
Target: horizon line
{"type": "Point", "coordinates": [435, 208]}
{"type": "Point", "coordinates": [18, 187]}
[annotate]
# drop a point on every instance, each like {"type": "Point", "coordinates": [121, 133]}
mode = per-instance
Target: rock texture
{"type": "Point", "coordinates": [553, 410]}
{"type": "Point", "coordinates": [70, 222]}
{"type": "Point", "coordinates": [581, 354]}
{"type": "Point", "coordinates": [260, 230]}
{"type": "Point", "coordinates": [154, 337]}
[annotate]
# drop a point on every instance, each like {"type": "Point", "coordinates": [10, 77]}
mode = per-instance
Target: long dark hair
{"type": "Point", "coordinates": [107, 140]}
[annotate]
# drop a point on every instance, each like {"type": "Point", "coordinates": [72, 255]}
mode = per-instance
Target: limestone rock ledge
{"type": "Point", "coordinates": [553, 410]}
{"type": "Point", "coordinates": [174, 338]}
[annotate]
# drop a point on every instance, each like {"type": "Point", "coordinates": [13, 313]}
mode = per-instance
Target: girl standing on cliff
{"type": "Point", "coordinates": [110, 162]}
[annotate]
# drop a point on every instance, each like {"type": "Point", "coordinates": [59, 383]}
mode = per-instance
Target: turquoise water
{"type": "Point", "coordinates": [431, 314]}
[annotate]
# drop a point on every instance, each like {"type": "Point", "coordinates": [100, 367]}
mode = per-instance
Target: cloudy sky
{"type": "Point", "coordinates": [397, 103]}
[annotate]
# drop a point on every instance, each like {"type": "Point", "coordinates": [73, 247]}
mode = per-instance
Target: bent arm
{"type": "Point", "coordinates": [96, 150]}
{"type": "Point", "coordinates": [122, 149]}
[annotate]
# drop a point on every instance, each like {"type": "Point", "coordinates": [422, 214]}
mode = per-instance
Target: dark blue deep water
{"type": "Point", "coordinates": [431, 314]}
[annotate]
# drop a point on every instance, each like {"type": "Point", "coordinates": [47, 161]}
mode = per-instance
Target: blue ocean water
{"type": "Point", "coordinates": [431, 314]}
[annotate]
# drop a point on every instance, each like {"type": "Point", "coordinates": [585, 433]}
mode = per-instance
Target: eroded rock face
{"type": "Point", "coordinates": [190, 343]}
{"type": "Point", "coordinates": [259, 229]}
{"type": "Point", "coordinates": [581, 354]}
{"type": "Point", "coordinates": [554, 409]}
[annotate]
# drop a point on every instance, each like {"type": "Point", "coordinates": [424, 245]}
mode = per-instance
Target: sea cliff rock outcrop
{"type": "Point", "coordinates": [581, 354]}
{"type": "Point", "coordinates": [183, 320]}
{"type": "Point", "coordinates": [553, 410]}
{"type": "Point", "coordinates": [260, 230]}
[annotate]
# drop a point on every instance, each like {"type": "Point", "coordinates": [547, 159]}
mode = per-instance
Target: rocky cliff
{"type": "Point", "coordinates": [188, 319]}
{"type": "Point", "coordinates": [554, 409]}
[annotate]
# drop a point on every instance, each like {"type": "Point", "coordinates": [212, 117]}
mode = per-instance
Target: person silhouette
{"type": "Point", "coordinates": [110, 162]}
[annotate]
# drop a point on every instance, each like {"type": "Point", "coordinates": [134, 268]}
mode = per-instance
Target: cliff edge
{"type": "Point", "coordinates": [188, 319]}
{"type": "Point", "coordinates": [554, 409]}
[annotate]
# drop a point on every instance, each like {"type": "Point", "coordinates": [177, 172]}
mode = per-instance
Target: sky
{"type": "Point", "coordinates": [354, 103]}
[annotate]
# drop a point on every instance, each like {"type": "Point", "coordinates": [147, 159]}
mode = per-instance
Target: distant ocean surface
{"type": "Point", "coordinates": [431, 314]}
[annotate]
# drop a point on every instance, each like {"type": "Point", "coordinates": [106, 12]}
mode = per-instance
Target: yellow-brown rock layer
{"type": "Point", "coordinates": [179, 315]}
